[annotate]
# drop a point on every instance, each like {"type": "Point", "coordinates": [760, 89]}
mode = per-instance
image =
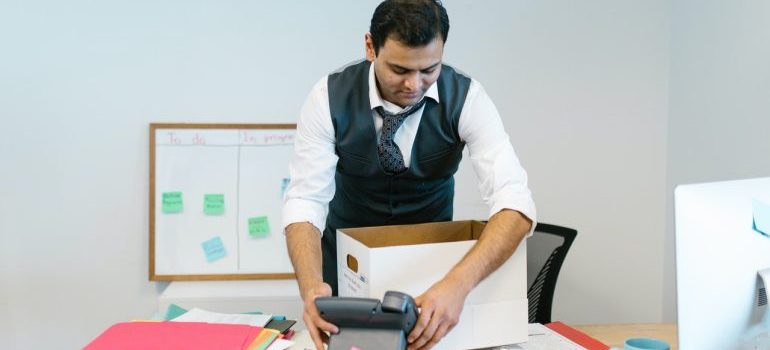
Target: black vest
{"type": "Point", "coordinates": [365, 195]}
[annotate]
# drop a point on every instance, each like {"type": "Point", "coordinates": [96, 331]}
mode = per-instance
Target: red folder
{"type": "Point", "coordinates": [577, 336]}
{"type": "Point", "coordinates": [174, 335]}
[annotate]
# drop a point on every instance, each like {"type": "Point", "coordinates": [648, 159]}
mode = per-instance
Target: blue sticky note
{"type": "Point", "coordinates": [761, 213]}
{"type": "Point", "coordinates": [214, 249]}
{"type": "Point", "coordinates": [173, 312]}
{"type": "Point", "coordinates": [284, 184]}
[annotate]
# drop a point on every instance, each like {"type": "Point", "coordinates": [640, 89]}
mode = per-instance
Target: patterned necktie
{"type": "Point", "coordinates": [390, 155]}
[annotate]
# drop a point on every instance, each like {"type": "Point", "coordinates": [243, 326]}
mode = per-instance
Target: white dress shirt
{"type": "Point", "coordinates": [502, 180]}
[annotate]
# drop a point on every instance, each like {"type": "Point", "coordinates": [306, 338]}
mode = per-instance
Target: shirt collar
{"type": "Point", "coordinates": [375, 100]}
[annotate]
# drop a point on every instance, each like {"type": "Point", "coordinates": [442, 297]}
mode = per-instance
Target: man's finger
{"type": "Point", "coordinates": [323, 325]}
{"type": "Point", "coordinates": [418, 301]}
{"type": "Point", "coordinates": [428, 333]}
{"type": "Point", "coordinates": [422, 322]}
{"type": "Point", "coordinates": [440, 333]}
{"type": "Point", "coordinates": [315, 333]}
{"type": "Point", "coordinates": [312, 310]}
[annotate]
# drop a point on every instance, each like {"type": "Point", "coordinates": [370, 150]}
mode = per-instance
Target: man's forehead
{"type": "Point", "coordinates": [399, 54]}
{"type": "Point", "coordinates": [393, 41]}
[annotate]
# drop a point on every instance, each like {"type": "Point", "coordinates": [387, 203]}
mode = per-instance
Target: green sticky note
{"type": "Point", "coordinates": [214, 204]}
{"type": "Point", "coordinates": [172, 202]}
{"type": "Point", "coordinates": [259, 227]}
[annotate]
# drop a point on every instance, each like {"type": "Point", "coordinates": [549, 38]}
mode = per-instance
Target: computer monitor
{"type": "Point", "coordinates": [718, 254]}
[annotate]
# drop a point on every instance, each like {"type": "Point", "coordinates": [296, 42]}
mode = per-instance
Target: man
{"type": "Point", "coordinates": [378, 143]}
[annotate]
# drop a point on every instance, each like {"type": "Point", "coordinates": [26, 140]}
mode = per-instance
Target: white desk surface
{"type": "Point", "coordinates": [302, 341]}
{"type": "Point", "coordinates": [611, 334]}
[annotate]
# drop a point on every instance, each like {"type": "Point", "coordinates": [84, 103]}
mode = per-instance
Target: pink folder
{"type": "Point", "coordinates": [174, 335]}
{"type": "Point", "coordinates": [577, 336]}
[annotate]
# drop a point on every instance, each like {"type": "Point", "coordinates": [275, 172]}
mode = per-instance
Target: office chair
{"type": "Point", "coordinates": [546, 250]}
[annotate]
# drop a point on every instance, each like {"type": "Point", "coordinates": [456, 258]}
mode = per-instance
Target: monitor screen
{"type": "Point", "coordinates": [718, 254]}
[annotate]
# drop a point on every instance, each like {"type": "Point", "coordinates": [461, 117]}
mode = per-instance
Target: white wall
{"type": "Point", "coordinates": [719, 126]}
{"type": "Point", "coordinates": [585, 105]}
{"type": "Point", "coordinates": [582, 88]}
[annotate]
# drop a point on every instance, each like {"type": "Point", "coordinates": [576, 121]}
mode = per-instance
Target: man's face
{"type": "Point", "coordinates": [405, 73]}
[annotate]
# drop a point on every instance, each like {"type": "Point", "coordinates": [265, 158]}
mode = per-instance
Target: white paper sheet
{"type": "Point", "coordinates": [200, 315]}
{"type": "Point", "coordinates": [542, 338]}
{"type": "Point", "coordinates": [280, 344]}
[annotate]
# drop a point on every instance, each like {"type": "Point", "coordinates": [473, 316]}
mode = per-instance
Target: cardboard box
{"type": "Point", "coordinates": [411, 258]}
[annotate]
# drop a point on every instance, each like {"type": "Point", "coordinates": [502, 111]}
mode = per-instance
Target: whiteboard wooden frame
{"type": "Point", "coordinates": [199, 277]}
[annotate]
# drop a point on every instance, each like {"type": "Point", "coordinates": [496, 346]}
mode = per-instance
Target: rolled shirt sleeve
{"type": "Point", "coordinates": [502, 179]}
{"type": "Point", "coordinates": [311, 169]}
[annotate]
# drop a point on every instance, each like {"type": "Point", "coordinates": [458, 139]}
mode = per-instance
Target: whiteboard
{"type": "Point", "coordinates": [215, 201]}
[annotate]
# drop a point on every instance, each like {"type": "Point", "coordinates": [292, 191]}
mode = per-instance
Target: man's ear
{"type": "Point", "coordinates": [369, 44]}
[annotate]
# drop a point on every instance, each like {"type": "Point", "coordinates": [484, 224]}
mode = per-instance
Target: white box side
{"type": "Point", "coordinates": [350, 283]}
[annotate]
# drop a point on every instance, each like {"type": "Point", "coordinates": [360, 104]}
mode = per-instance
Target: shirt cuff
{"type": "Point", "coordinates": [301, 210]}
{"type": "Point", "coordinates": [521, 203]}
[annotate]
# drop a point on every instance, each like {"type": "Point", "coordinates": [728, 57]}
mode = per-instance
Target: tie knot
{"type": "Point", "coordinates": [400, 115]}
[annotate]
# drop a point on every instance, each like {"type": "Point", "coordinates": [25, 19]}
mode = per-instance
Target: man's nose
{"type": "Point", "coordinates": [412, 81]}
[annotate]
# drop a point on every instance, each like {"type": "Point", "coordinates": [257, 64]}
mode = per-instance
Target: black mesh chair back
{"type": "Point", "coordinates": [546, 250]}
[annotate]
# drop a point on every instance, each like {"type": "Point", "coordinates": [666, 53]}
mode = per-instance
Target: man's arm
{"type": "Point", "coordinates": [442, 304]}
{"type": "Point", "coordinates": [304, 243]}
{"type": "Point", "coordinates": [503, 186]}
{"type": "Point", "coordinates": [306, 200]}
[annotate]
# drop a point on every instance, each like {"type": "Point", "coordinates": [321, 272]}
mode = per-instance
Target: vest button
{"type": "Point", "coordinates": [394, 205]}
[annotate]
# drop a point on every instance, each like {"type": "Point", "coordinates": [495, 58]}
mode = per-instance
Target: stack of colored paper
{"type": "Point", "coordinates": [199, 329]}
{"type": "Point", "coordinates": [264, 339]}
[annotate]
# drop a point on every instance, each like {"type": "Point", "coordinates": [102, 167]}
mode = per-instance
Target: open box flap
{"type": "Point", "coordinates": [399, 235]}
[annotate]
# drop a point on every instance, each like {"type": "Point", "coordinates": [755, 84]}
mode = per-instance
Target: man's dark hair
{"type": "Point", "coordinates": [413, 23]}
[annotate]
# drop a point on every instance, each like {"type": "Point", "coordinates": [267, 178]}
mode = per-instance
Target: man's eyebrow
{"type": "Point", "coordinates": [433, 66]}
{"type": "Point", "coordinates": [395, 66]}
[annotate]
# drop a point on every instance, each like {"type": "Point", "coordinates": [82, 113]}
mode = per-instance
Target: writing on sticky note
{"type": "Point", "coordinates": [259, 227]}
{"type": "Point", "coordinates": [214, 204]}
{"type": "Point", "coordinates": [172, 202]}
{"type": "Point", "coordinates": [761, 216]}
{"type": "Point", "coordinates": [213, 249]}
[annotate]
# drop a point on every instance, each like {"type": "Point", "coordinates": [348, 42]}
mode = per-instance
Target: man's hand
{"type": "Point", "coordinates": [313, 321]}
{"type": "Point", "coordinates": [304, 243]}
{"type": "Point", "coordinates": [440, 306]}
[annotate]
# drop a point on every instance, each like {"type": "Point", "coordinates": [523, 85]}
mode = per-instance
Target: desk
{"type": "Point", "coordinates": [610, 334]}
{"type": "Point", "coordinates": [616, 334]}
